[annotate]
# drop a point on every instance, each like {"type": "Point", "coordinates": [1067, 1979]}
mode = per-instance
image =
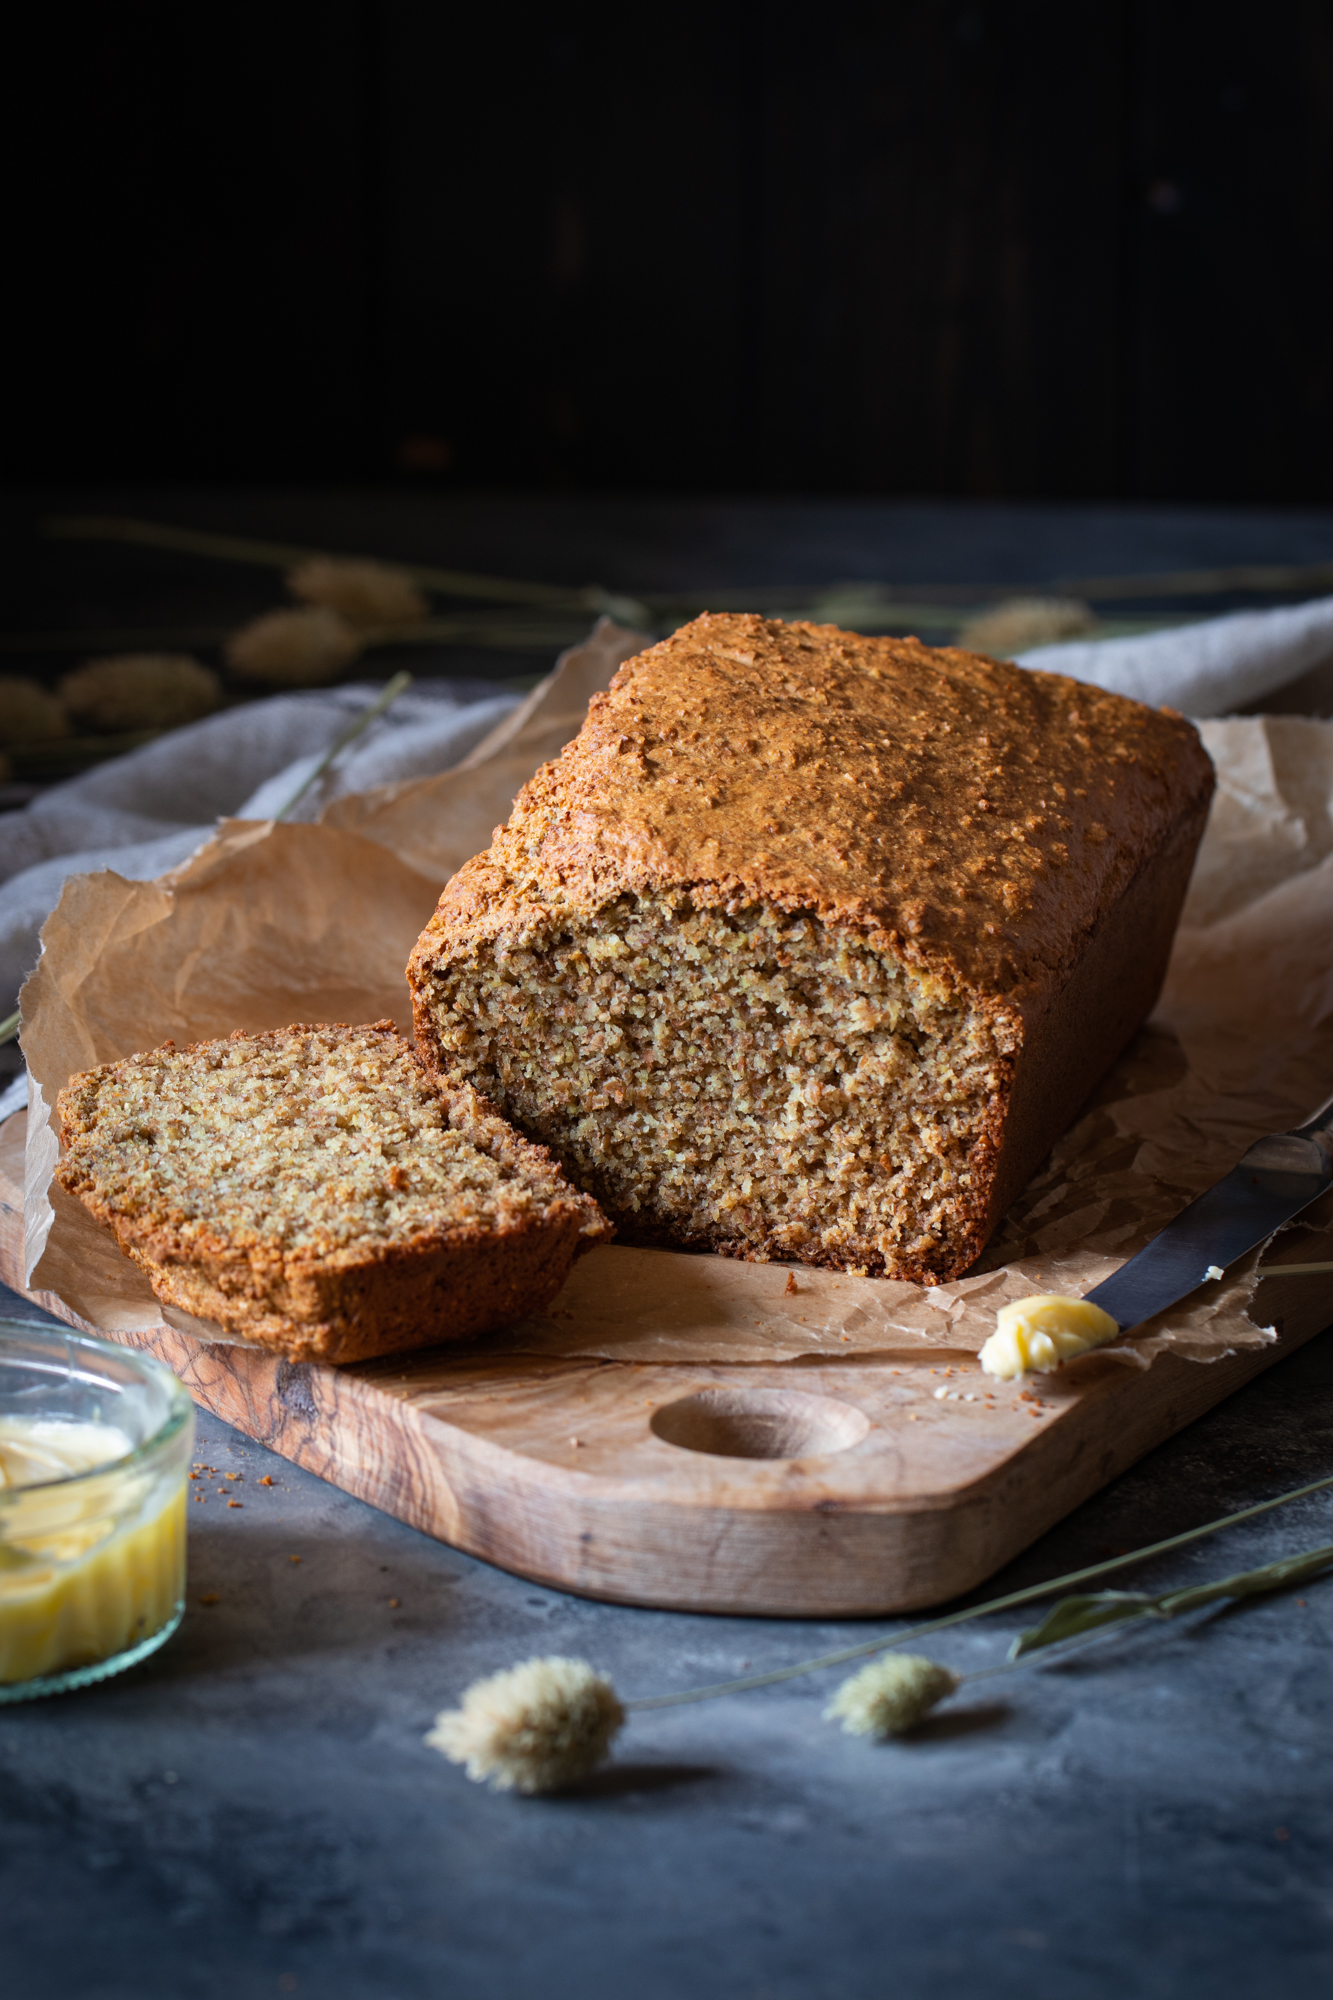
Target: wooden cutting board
{"type": "Point", "coordinates": [822, 1488]}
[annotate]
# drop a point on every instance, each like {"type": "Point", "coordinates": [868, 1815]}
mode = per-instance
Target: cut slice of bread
{"type": "Point", "coordinates": [316, 1191]}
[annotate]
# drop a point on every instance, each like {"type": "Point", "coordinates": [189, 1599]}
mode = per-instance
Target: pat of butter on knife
{"type": "Point", "coordinates": [1034, 1335]}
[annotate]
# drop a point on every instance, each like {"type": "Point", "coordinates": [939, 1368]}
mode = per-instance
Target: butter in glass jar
{"type": "Point", "coordinates": [95, 1445]}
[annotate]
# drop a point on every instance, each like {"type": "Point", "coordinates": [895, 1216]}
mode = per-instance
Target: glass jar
{"type": "Point", "coordinates": [95, 1444]}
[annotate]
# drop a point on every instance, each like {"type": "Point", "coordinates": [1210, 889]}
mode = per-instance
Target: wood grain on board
{"type": "Point", "coordinates": [821, 1488]}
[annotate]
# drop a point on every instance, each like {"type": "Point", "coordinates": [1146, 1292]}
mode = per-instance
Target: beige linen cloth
{"type": "Point", "coordinates": [269, 924]}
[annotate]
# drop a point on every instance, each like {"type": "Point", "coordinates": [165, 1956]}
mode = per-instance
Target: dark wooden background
{"type": "Point", "coordinates": [1048, 247]}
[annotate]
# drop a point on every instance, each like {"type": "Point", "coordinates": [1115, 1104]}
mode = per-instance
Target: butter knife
{"type": "Point", "coordinates": [1273, 1181]}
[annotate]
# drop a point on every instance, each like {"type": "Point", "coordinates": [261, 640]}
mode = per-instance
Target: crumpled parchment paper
{"type": "Point", "coordinates": [270, 924]}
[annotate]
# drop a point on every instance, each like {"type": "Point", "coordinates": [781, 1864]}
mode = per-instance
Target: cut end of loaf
{"type": "Point", "coordinates": [740, 1079]}
{"type": "Point", "coordinates": [315, 1190]}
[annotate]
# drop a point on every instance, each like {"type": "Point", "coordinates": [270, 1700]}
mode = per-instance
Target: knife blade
{"type": "Point", "coordinates": [1272, 1182]}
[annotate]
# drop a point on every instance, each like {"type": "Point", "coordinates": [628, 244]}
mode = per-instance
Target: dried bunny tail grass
{"type": "Point", "coordinates": [305, 648]}
{"type": "Point", "coordinates": [364, 593]}
{"type": "Point", "coordinates": [537, 1727]}
{"type": "Point", "coordinates": [29, 713]}
{"type": "Point", "coordinates": [890, 1695]}
{"type": "Point", "coordinates": [140, 691]}
{"type": "Point", "coordinates": [1021, 622]}
{"type": "Point", "coordinates": [548, 1723]}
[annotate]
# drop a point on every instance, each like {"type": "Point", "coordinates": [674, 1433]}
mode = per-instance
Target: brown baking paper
{"type": "Point", "coordinates": [271, 924]}
{"type": "Point", "coordinates": [436, 824]}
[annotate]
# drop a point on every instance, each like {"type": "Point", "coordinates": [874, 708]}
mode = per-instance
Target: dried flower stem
{"type": "Point", "coordinates": [1073, 1616]}
{"type": "Point", "coordinates": [1031, 1595]}
{"type": "Point", "coordinates": [384, 699]}
{"type": "Point", "coordinates": [1258, 577]}
{"type": "Point", "coordinates": [1076, 1623]}
{"type": "Point", "coordinates": [119, 639]}
{"type": "Point", "coordinates": [281, 555]}
{"type": "Point", "coordinates": [1266, 578]}
{"type": "Point", "coordinates": [507, 631]}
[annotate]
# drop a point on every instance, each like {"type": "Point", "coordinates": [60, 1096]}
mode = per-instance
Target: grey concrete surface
{"type": "Point", "coordinates": [253, 1812]}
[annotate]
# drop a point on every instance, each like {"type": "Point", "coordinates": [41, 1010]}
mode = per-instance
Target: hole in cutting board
{"type": "Point", "coordinates": [760, 1423]}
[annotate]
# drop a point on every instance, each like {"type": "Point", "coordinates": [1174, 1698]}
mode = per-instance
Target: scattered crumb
{"type": "Point", "coordinates": [266, 1480]}
{"type": "Point", "coordinates": [210, 1597]}
{"type": "Point", "coordinates": [576, 1442]}
{"type": "Point", "coordinates": [293, 1559]}
{"type": "Point", "coordinates": [394, 1603]}
{"type": "Point", "coordinates": [236, 1503]}
{"type": "Point", "coordinates": [791, 1287]}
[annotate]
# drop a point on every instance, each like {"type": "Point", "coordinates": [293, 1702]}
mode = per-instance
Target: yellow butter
{"type": "Point", "coordinates": [1034, 1335]}
{"type": "Point", "coordinates": [34, 1449]}
{"type": "Point", "coordinates": [91, 1566]}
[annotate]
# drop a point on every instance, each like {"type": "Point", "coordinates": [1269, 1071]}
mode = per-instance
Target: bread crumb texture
{"type": "Point", "coordinates": [757, 955]}
{"type": "Point", "coordinates": [745, 1079]}
{"type": "Point", "coordinates": [315, 1189]}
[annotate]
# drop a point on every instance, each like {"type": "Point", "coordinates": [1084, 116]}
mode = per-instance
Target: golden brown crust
{"type": "Point", "coordinates": [980, 816]}
{"type": "Point", "coordinates": [338, 1270]}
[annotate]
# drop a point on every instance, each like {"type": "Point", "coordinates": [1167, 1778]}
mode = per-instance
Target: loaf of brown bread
{"type": "Point", "coordinates": [810, 945]}
{"type": "Point", "coordinates": [315, 1190]}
